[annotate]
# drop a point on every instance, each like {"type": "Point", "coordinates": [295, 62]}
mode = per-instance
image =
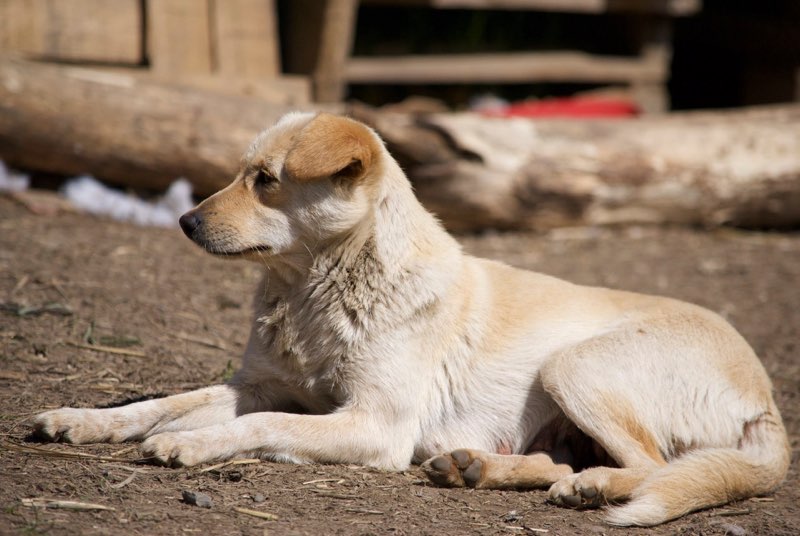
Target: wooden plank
{"type": "Point", "coordinates": [246, 38]}
{"type": "Point", "coordinates": [178, 36]}
{"type": "Point", "coordinates": [521, 67]}
{"type": "Point", "coordinates": [665, 7]}
{"type": "Point", "coordinates": [589, 6]}
{"type": "Point", "coordinates": [79, 30]}
{"type": "Point", "coordinates": [17, 26]}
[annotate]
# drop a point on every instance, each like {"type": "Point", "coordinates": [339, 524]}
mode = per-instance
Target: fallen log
{"type": "Point", "coordinates": [737, 167]}
{"type": "Point", "coordinates": [125, 129]}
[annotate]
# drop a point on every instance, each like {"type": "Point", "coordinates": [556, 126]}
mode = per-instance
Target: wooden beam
{"type": "Point", "coordinates": [664, 7]}
{"type": "Point", "coordinates": [521, 67]}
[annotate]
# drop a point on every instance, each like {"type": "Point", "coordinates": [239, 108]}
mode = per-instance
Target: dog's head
{"type": "Point", "coordinates": [303, 182]}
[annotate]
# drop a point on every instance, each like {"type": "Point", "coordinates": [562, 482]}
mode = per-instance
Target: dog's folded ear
{"type": "Point", "coordinates": [331, 146]}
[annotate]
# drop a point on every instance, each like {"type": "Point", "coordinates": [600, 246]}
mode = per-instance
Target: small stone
{"type": "Point", "coordinates": [732, 530]}
{"type": "Point", "coordinates": [197, 499]}
{"type": "Point", "coordinates": [511, 517]}
{"type": "Point", "coordinates": [259, 498]}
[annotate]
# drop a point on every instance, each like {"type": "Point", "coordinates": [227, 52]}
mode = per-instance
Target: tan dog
{"type": "Point", "coordinates": [376, 341]}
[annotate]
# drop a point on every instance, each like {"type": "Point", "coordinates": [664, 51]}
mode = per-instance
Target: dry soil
{"type": "Point", "coordinates": [69, 280]}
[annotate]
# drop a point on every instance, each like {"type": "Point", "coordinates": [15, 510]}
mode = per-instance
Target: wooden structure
{"type": "Point", "coordinates": [224, 45]}
{"type": "Point", "coordinates": [333, 67]}
{"type": "Point", "coordinates": [232, 45]}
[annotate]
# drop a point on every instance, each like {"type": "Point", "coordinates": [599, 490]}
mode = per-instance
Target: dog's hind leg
{"type": "Point", "coordinates": [187, 411]}
{"type": "Point", "coordinates": [595, 400]}
{"type": "Point", "coordinates": [484, 470]}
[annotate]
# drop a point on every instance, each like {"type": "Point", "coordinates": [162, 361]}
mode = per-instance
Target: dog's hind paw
{"type": "Point", "coordinates": [577, 491]}
{"type": "Point", "coordinates": [457, 469]}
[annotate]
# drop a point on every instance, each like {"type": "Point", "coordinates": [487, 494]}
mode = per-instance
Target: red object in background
{"type": "Point", "coordinates": [584, 107]}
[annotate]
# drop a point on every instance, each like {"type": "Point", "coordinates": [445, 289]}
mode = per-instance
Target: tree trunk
{"type": "Point", "coordinates": [737, 167]}
{"type": "Point", "coordinates": [123, 129]}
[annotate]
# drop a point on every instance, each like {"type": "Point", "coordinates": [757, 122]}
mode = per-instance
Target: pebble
{"type": "Point", "coordinates": [732, 530]}
{"type": "Point", "coordinates": [197, 499]}
{"type": "Point", "coordinates": [259, 498]}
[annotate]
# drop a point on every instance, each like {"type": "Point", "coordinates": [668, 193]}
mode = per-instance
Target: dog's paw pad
{"type": "Point", "coordinates": [458, 469]}
{"type": "Point", "coordinates": [472, 474]}
{"type": "Point", "coordinates": [571, 492]}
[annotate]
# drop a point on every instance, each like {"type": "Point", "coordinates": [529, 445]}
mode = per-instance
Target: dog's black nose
{"type": "Point", "coordinates": [189, 222]}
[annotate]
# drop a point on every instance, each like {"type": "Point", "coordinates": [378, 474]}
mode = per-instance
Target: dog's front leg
{"type": "Point", "coordinates": [186, 411]}
{"type": "Point", "coordinates": [347, 436]}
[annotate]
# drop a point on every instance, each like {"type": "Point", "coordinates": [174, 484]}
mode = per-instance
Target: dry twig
{"type": "Point", "coordinates": [256, 513]}
{"type": "Point", "coordinates": [732, 512]}
{"type": "Point", "coordinates": [244, 461]}
{"type": "Point", "coordinates": [364, 511]}
{"type": "Point", "coordinates": [199, 340]}
{"type": "Point", "coordinates": [64, 505]}
{"type": "Point", "coordinates": [108, 349]}
{"type": "Point", "coordinates": [320, 480]}
{"type": "Point", "coordinates": [128, 480]}
{"type": "Point", "coordinates": [58, 453]}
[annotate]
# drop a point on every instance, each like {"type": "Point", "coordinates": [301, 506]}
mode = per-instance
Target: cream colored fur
{"type": "Point", "coordinates": [377, 341]}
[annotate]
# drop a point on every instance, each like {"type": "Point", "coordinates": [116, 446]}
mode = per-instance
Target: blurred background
{"type": "Point", "coordinates": [701, 54]}
{"type": "Point", "coordinates": [679, 54]}
{"type": "Point", "coordinates": [138, 93]}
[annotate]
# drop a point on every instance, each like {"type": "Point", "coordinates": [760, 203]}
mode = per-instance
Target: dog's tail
{"type": "Point", "coordinates": [710, 477]}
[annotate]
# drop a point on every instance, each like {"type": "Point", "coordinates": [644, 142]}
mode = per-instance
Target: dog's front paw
{"type": "Point", "coordinates": [70, 425]}
{"type": "Point", "coordinates": [177, 449]}
{"type": "Point", "coordinates": [460, 468]}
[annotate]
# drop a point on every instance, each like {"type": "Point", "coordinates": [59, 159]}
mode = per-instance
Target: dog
{"type": "Point", "coordinates": [377, 341]}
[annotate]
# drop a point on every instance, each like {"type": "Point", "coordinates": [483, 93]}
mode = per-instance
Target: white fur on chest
{"type": "Point", "coordinates": [318, 338]}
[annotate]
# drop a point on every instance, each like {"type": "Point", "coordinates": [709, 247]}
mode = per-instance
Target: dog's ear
{"type": "Point", "coordinates": [331, 146]}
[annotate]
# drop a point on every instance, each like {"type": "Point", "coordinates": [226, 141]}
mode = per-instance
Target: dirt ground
{"type": "Point", "coordinates": [182, 318]}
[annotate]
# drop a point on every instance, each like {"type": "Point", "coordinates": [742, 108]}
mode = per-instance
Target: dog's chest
{"type": "Point", "coordinates": [308, 346]}
{"type": "Point", "coordinates": [323, 334]}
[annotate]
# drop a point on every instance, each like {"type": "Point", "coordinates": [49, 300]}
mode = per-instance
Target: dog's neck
{"type": "Point", "coordinates": [398, 234]}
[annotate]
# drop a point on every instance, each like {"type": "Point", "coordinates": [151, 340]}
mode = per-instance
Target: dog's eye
{"type": "Point", "coordinates": [264, 178]}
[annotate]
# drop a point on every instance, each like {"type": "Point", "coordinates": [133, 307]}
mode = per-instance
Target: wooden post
{"type": "Point", "coordinates": [656, 50]}
{"type": "Point", "coordinates": [336, 43]}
